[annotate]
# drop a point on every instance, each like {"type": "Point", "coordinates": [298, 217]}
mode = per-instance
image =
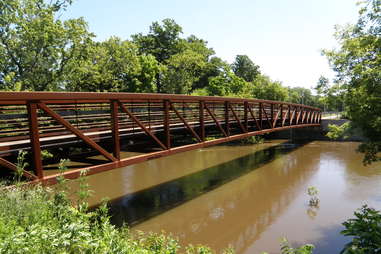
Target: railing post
{"type": "Point", "coordinates": [115, 128]}
{"type": "Point", "coordinates": [289, 115]}
{"type": "Point", "coordinates": [272, 114]}
{"type": "Point", "coordinates": [35, 139]}
{"type": "Point", "coordinates": [202, 120]}
{"type": "Point", "coordinates": [167, 134]}
{"type": "Point", "coordinates": [281, 114]}
{"type": "Point", "coordinates": [260, 115]}
{"type": "Point", "coordinates": [227, 127]}
{"type": "Point", "coordinates": [246, 120]}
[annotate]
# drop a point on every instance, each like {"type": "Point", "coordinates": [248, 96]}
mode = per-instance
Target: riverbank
{"type": "Point", "coordinates": [316, 133]}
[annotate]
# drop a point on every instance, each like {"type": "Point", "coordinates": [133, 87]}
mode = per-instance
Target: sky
{"type": "Point", "coordinates": [283, 37]}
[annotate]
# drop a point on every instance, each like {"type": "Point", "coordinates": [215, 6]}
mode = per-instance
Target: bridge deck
{"type": "Point", "coordinates": [42, 120]}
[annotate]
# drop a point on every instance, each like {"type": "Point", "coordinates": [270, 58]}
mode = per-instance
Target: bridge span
{"type": "Point", "coordinates": [107, 123]}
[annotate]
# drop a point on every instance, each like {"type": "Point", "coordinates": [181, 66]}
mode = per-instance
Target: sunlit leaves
{"type": "Point", "coordinates": [358, 64]}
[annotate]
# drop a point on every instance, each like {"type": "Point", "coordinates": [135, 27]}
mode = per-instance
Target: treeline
{"type": "Point", "coordinates": [40, 52]}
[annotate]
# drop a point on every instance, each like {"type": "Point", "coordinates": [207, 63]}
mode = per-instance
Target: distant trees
{"type": "Point", "coordinates": [39, 52]}
{"type": "Point", "coordinates": [330, 96]}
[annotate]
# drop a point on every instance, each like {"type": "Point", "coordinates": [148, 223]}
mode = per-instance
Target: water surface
{"type": "Point", "coordinates": [247, 197]}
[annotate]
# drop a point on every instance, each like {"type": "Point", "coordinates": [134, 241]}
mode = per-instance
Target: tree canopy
{"type": "Point", "coordinates": [40, 52]}
{"type": "Point", "coordinates": [36, 48]}
{"type": "Point", "coordinates": [244, 68]}
{"type": "Point", "coordinates": [357, 63]}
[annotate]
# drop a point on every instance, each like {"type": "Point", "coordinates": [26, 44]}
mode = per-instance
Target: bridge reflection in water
{"type": "Point", "coordinates": [216, 213]}
{"type": "Point", "coordinates": [106, 123]}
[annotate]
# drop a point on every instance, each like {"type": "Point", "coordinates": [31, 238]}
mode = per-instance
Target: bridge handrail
{"type": "Point", "coordinates": [22, 97]}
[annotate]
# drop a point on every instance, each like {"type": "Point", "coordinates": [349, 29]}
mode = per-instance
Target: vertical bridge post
{"type": "Point", "coordinates": [227, 127]}
{"type": "Point", "coordinates": [245, 116]}
{"type": "Point", "coordinates": [115, 128]}
{"type": "Point", "coordinates": [35, 139]}
{"type": "Point", "coordinates": [167, 134]}
{"type": "Point", "coordinates": [260, 115]}
{"type": "Point", "coordinates": [202, 120]}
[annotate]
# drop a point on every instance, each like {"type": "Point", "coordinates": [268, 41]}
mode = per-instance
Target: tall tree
{"type": "Point", "coordinates": [228, 84]}
{"type": "Point", "coordinates": [35, 46]}
{"type": "Point", "coordinates": [244, 68]}
{"type": "Point", "coordinates": [358, 65]}
{"type": "Point", "coordinates": [113, 65]}
{"type": "Point", "coordinates": [162, 41]}
{"type": "Point", "coordinates": [182, 70]}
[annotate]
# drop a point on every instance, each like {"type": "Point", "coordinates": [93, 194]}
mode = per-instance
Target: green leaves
{"type": "Point", "coordinates": [358, 65]}
{"type": "Point", "coordinates": [113, 65]}
{"type": "Point", "coordinates": [365, 229]}
{"type": "Point", "coordinates": [244, 68]}
{"type": "Point", "coordinates": [35, 46]}
{"type": "Point", "coordinates": [38, 220]}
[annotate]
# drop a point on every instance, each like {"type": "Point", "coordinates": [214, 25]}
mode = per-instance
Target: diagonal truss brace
{"type": "Point", "coordinates": [185, 122]}
{"type": "Point", "coordinates": [237, 118]}
{"type": "Point", "coordinates": [141, 125]}
{"type": "Point", "coordinates": [276, 119]}
{"type": "Point", "coordinates": [215, 120]}
{"type": "Point", "coordinates": [75, 131]}
{"type": "Point", "coordinates": [285, 117]}
{"type": "Point", "coordinates": [10, 165]}
{"type": "Point", "coordinates": [252, 115]}
{"type": "Point", "coordinates": [267, 117]}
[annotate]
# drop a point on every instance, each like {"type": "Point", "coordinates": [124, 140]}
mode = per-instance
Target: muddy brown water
{"type": "Point", "coordinates": [246, 197]}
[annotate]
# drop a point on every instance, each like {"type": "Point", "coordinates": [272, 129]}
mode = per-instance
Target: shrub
{"type": "Point", "coordinates": [39, 220]}
{"type": "Point", "coordinates": [365, 229]}
{"type": "Point", "coordinates": [286, 248]}
{"type": "Point", "coordinates": [252, 140]}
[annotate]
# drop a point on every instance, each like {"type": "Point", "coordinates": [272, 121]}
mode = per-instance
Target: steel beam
{"type": "Point", "coordinates": [166, 123]}
{"type": "Point", "coordinates": [185, 123]}
{"type": "Point", "coordinates": [227, 124]}
{"type": "Point", "coordinates": [253, 116]}
{"type": "Point", "coordinates": [11, 166]}
{"type": "Point", "coordinates": [76, 132]}
{"type": "Point", "coordinates": [201, 107]}
{"type": "Point", "coordinates": [114, 107]}
{"type": "Point", "coordinates": [215, 120]}
{"type": "Point", "coordinates": [35, 139]}
{"type": "Point", "coordinates": [141, 125]}
{"type": "Point", "coordinates": [237, 119]}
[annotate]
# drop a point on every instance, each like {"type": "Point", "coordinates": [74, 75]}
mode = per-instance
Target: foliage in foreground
{"type": "Point", "coordinates": [365, 229]}
{"type": "Point", "coordinates": [286, 248]}
{"type": "Point", "coordinates": [36, 220]}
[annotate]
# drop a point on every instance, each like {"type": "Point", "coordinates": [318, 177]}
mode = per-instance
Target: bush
{"type": "Point", "coordinates": [38, 220]}
{"type": "Point", "coordinates": [286, 248]}
{"type": "Point", "coordinates": [365, 230]}
{"type": "Point", "coordinates": [253, 140]}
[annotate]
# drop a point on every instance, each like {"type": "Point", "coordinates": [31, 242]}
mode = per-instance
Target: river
{"type": "Point", "coordinates": [247, 197]}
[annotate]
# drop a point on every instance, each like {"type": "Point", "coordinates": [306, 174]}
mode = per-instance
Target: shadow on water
{"type": "Point", "coordinates": [139, 206]}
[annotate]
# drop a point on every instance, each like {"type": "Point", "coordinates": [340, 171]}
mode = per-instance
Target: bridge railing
{"type": "Point", "coordinates": [39, 120]}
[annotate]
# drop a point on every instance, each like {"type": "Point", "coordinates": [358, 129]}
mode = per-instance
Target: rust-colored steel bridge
{"type": "Point", "coordinates": [106, 122]}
